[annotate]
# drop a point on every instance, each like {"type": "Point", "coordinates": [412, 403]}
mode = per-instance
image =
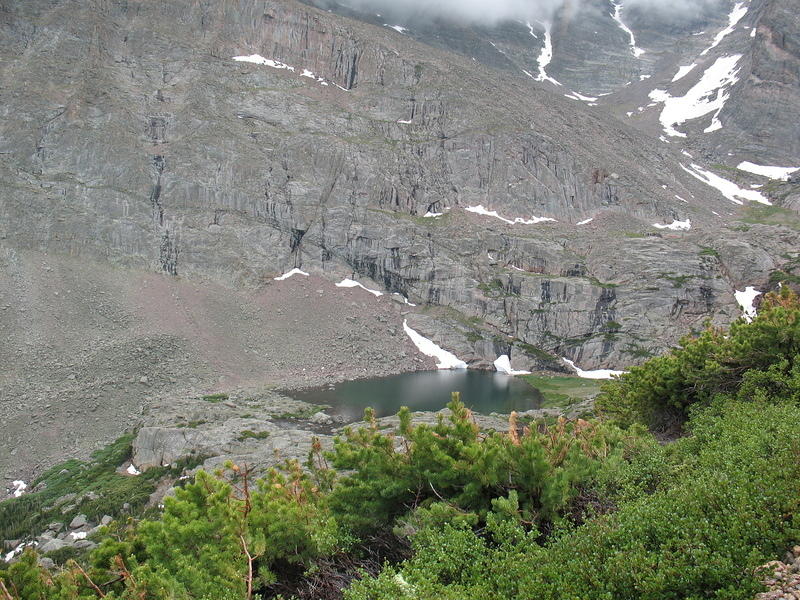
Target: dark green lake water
{"type": "Point", "coordinates": [482, 391]}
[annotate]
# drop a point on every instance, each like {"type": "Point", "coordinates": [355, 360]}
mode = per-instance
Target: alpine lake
{"type": "Point", "coordinates": [484, 392]}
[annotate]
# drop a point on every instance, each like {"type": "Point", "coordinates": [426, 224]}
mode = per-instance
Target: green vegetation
{"type": "Point", "coordinates": [301, 413]}
{"type": "Point", "coordinates": [473, 336]}
{"type": "Point", "coordinates": [677, 280]}
{"type": "Point", "coordinates": [779, 276]}
{"type": "Point", "coordinates": [252, 435]}
{"type": "Point", "coordinates": [563, 391]}
{"type": "Point", "coordinates": [215, 398]}
{"type": "Point", "coordinates": [706, 251]}
{"type": "Point", "coordinates": [771, 215]}
{"type": "Point", "coordinates": [532, 350]}
{"type": "Point", "coordinates": [755, 361]}
{"type": "Point", "coordinates": [192, 424]}
{"type": "Point", "coordinates": [93, 488]}
{"type": "Point", "coordinates": [495, 289]}
{"type": "Point", "coordinates": [638, 351]}
{"type": "Point", "coordinates": [601, 284]}
{"type": "Point", "coordinates": [581, 509]}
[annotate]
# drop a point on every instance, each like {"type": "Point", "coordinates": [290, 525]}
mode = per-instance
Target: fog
{"type": "Point", "coordinates": [490, 12]}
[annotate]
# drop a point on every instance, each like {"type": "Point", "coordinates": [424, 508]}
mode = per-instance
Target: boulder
{"type": "Point", "coordinates": [160, 446]}
{"type": "Point", "coordinates": [52, 546]}
{"type": "Point", "coordinates": [321, 418]}
{"type": "Point", "coordinates": [78, 522]}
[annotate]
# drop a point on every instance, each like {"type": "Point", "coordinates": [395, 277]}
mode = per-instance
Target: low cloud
{"type": "Point", "coordinates": [489, 12]}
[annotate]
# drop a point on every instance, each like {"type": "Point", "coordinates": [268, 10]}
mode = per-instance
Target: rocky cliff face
{"type": "Point", "coordinates": [132, 141]}
{"type": "Point", "coordinates": [615, 52]}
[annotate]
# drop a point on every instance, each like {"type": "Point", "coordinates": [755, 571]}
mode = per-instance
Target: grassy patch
{"type": "Point", "coordinates": [495, 289]}
{"type": "Point", "coordinates": [706, 251]}
{"type": "Point", "coordinates": [192, 424]}
{"type": "Point", "coordinates": [779, 276]}
{"type": "Point", "coordinates": [771, 215]}
{"type": "Point", "coordinates": [74, 487]}
{"type": "Point", "coordinates": [301, 414]}
{"type": "Point", "coordinates": [678, 281]}
{"type": "Point", "coordinates": [532, 350]}
{"type": "Point", "coordinates": [214, 398]}
{"type": "Point", "coordinates": [252, 435]}
{"type": "Point", "coordinates": [598, 283]}
{"type": "Point", "coordinates": [559, 392]}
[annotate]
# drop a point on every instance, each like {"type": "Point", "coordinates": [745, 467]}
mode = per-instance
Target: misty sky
{"type": "Point", "coordinates": [492, 11]}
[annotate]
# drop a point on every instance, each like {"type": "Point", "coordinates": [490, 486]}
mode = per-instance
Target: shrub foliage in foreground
{"type": "Point", "coordinates": [728, 503]}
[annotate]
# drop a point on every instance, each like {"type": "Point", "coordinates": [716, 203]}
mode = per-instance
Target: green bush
{"type": "Point", "coordinates": [454, 462]}
{"type": "Point", "coordinates": [73, 487]}
{"type": "Point", "coordinates": [728, 503]}
{"type": "Point", "coordinates": [758, 359]}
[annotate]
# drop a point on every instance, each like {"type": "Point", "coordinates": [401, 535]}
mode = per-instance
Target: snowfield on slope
{"type": "Point", "coordinates": [447, 360]}
{"type": "Point", "coordinates": [780, 173]}
{"type": "Point", "coordinates": [349, 283]}
{"type": "Point", "coordinates": [617, 16]}
{"type": "Point", "coordinates": [706, 96]}
{"type": "Point", "coordinates": [597, 374]}
{"type": "Point", "coordinates": [480, 210]}
{"type": "Point", "coordinates": [675, 225]}
{"type": "Point", "coordinates": [257, 59]}
{"type": "Point", "coordinates": [503, 365]}
{"type": "Point", "coordinates": [727, 188]}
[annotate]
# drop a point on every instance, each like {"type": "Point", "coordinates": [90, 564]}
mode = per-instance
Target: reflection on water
{"type": "Point", "coordinates": [482, 391]}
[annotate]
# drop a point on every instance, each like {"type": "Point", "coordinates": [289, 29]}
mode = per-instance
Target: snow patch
{"type": "Point", "coordinates": [132, 470]}
{"type": "Point", "coordinates": [480, 210]}
{"type": "Point", "coordinates": [290, 274]}
{"type": "Point", "coordinates": [503, 365]}
{"type": "Point", "coordinates": [598, 374]}
{"type": "Point", "coordinates": [257, 59]}
{"type": "Point", "coordinates": [727, 188]}
{"type": "Point", "coordinates": [431, 215]}
{"type": "Point", "coordinates": [546, 55]}
{"type": "Point", "coordinates": [78, 535]}
{"type": "Point", "coordinates": [404, 299]}
{"type": "Point", "coordinates": [706, 96]}
{"type": "Point", "coordinates": [397, 28]}
{"type": "Point", "coordinates": [683, 72]}
{"type": "Point", "coordinates": [18, 550]}
{"type": "Point", "coordinates": [617, 16]}
{"type": "Point", "coordinates": [586, 222]}
{"type": "Point", "coordinates": [739, 10]}
{"type": "Point", "coordinates": [447, 360]}
{"type": "Point", "coordinates": [577, 96]}
{"type": "Point", "coordinates": [675, 225]}
{"type": "Point", "coordinates": [349, 283]}
{"type": "Point", "coordinates": [745, 299]}
{"type": "Point", "coordinates": [18, 488]}
{"type": "Point", "coordinates": [403, 122]}
{"type": "Point", "coordinates": [781, 173]}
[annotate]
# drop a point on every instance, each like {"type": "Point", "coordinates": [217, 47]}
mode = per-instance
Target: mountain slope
{"type": "Point", "coordinates": [133, 142]}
